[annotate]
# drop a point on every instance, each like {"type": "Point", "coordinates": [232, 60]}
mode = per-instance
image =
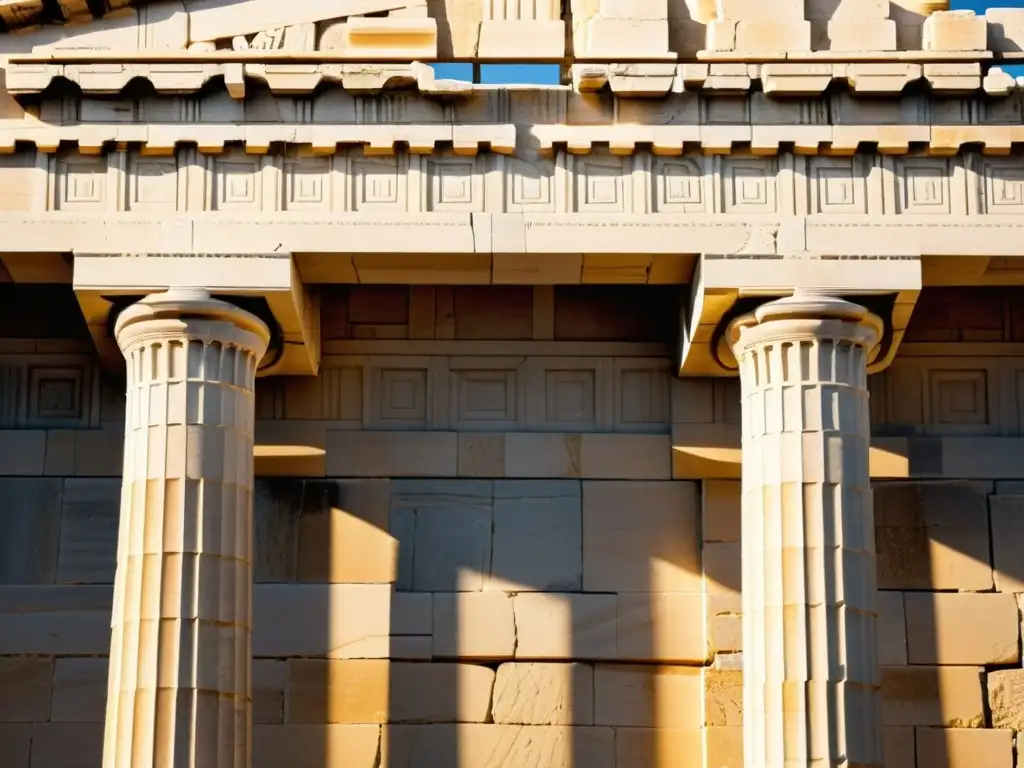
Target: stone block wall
{"type": "Point", "coordinates": [497, 567]}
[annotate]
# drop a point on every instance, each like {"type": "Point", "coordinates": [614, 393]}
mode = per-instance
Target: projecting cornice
{"type": "Point", "coordinates": [526, 123]}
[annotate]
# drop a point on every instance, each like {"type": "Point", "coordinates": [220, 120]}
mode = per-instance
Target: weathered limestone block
{"type": "Point", "coordinates": [497, 746]}
{"type": "Point", "coordinates": [458, 26]}
{"type": "Point", "coordinates": [566, 626]}
{"type": "Point", "coordinates": [745, 25]}
{"type": "Point", "coordinates": [724, 747]}
{"type": "Point", "coordinates": [964, 748]}
{"type": "Point", "coordinates": [55, 620]}
{"type": "Point", "coordinates": [511, 40]}
{"type": "Point", "coordinates": [88, 533]}
{"type": "Point", "coordinates": [641, 537]}
{"type": "Point", "coordinates": [661, 746]}
{"type": "Point", "coordinates": [932, 535]}
{"type": "Point", "coordinates": [474, 625]}
{"type": "Point", "coordinates": [537, 544]}
{"type": "Point", "coordinates": [160, 26]}
{"type": "Point", "coordinates": [663, 627]}
{"type": "Point", "coordinates": [391, 38]}
{"type": "Point", "coordinates": [56, 745]}
{"type": "Point", "coordinates": [856, 35]}
{"type": "Point", "coordinates": [544, 694]}
{"type": "Point", "coordinates": [225, 19]}
{"type": "Point", "coordinates": [79, 690]}
{"type": "Point", "coordinates": [1007, 513]}
{"type": "Point", "coordinates": [16, 743]}
{"type": "Point", "coordinates": [315, 746]}
{"type": "Point", "coordinates": [955, 31]}
{"type": "Point", "coordinates": [648, 696]}
{"type": "Point", "coordinates": [341, 621]}
{"type": "Point", "coordinates": [892, 629]}
{"type": "Point", "coordinates": [344, 534]}
{"type": "Point", "coordinates": [444, 530]}
{"type": "Point", "coordinates": [723, 697]}
{"type": "Point", "coordinates": [1006, 698]}
{"type": "Point", "coordinates": [1005, 29]}
{"type": "Point", "coordinates": [25, 685]}
{"type": "Point", "coordinates": [380, 691]}
{"type": "Point", "coordinates": [964, 628]}
{"type": "Point", "coordinates": [269, 682]}
{"type": "Point", "coordinates": [924, 695]}
{"type": "Point", "coordinates": [30, 530]}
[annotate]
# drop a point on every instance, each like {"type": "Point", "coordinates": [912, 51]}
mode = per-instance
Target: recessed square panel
{"type": "Point", "coordinates": [484, 399]}
{"type": "Point", "coordinates": [237, 184]}
{"type": "Point", "coordinates": [453, 186]}
{"type": "Point", "coordinates": [958, 397]}
{"type": "Point", "coordinates": [56, 395]}
{"type": "Point", "coordinates": [926, 186]}
{"type": "Point", "coordinates": [748, 186]}
{"type": "Point", "coordinates": [81, 183]}
{"type": "Point", "coordinates": [679, 186]}
{"type": "Point", "coordinates": [531, 185]}
{"type": "Point", "coordinates": [570, 397]}
{"type": "Point", "coordinates": [838, 185]}
{"type": "Point", "coordinates": [600, 185]}
{"type": "Point", "coordinates": [153, 184]}
{"type": "Point", "coordinates": [377, 184]}
{"type": "Point", "coordinates": [399, 398]}
{"type": "Point", "coordinates": [306, 183]}
{"type": "Point", "coordinates": [1004, 188]}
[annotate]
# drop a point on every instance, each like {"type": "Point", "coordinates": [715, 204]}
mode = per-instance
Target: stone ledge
{"type": "Point", "coordinates": [713, 451]}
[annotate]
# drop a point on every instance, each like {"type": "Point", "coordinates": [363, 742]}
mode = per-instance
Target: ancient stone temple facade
{"type": "Point", "coordinates": [354, 417]}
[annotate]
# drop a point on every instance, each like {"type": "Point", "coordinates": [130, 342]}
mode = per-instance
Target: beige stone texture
{"type": "Point", "coordinates": [892, 629]}
{"type": "Point", "coordinates": [497, 746]}
{"type": "Point", "coordinates": [1005, 29]}
{"type": "Point", "coordinates": [723, 697]}
{"type": "Point", "coordinates": [723, 747]}
{"type": "Point", "coordinates": [79, 690]}
{"type": "Point", "coordinates": [720, 510]}
{"type": "Point", "coordinates": [955, 31]}
{"type": "Point", "coordinates": [658, 746]}
{"type": "Point", "coordinates": [474, 625]}
{"type": "Point", "coordinates": [648, 696]}
{"type": "Point", "coordinates": [963, 748]}
{"type": "Point", "coordinates": [641, 537]}
{"type": "Point", "coordinates": [340, 621]}
{"type": "Point", "coordinates": [899, 750]}
{"type": "Point", "coordinates": [269, 682]}
{"type": "Point", "coordinates": [537, 542]}
{"type": "Point", "coordinates": [25, 685]}
{"type": "Point", "coordinates": [49, 620]}
{"type": "Point", "coordinates": [950, 628]}
{"type": "Point", "coordinates": [60, 745]}
{"type": "Point", "coordinates": [347, 539]}
{"type": "Point", "coordinates": [543, 694]}
{"type": "Point", "coordinates": [932, 696]}
{"type": "Point", "coordinates": [932, 536]}
{"type": "Point", "coordinates": [315, 746]}
{"type": "Point", "coordinates": [663, 627]}
{"type": "Point", "coordinates": [378, 691]}
{"type": "Point", "coordinates": [1007, 514]}
{"type": "Point", "coordinates": [566, 626]}
{"type": "Point", "coordinates": [1006, 698]}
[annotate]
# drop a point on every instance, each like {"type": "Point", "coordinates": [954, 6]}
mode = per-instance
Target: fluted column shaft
{"type": "Point", "coordinates": [179, 691]}
{"type": "Point", "coordinates": [810, 669]}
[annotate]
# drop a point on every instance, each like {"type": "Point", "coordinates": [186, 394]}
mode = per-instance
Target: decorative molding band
{"type": "Point", "coordinates": [527, 122]}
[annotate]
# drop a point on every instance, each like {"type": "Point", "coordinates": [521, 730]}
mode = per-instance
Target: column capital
{"type": "Point", "coordinates": [807, 314]}
{"type": "Point", "coordinates": [190, 313]}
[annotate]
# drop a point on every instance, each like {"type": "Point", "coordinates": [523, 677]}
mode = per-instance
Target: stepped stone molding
{"type": "Point", "coordinates": [180, 656]}
{"type": "Point", "coordinates": [523, 122]}
{"type": "Point", "coordinates": [687, 187]}
{"type": "Point", "coordinates": [810, 669]}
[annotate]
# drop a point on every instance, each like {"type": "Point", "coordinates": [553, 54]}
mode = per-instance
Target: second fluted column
{"type": "Point", "coordinates": [810, 669]}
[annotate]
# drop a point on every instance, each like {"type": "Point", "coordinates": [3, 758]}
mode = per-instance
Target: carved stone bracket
{"type": "Point", "coordinates": [727, 286]}
{"type": "Point", "coordinates": [269, 282]}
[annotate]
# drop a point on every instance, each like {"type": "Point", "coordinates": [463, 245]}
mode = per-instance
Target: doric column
{"type": "Point", "coordinates": [180, 650]}
{"type": "Point", "coordinates": [810, 669]}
